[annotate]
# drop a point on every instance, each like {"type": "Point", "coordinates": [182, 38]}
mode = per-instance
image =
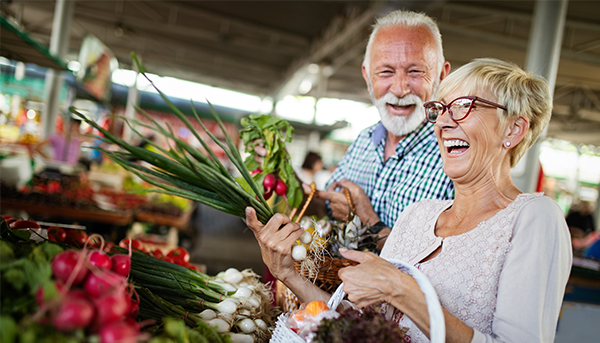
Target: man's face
{"type": "Point", "coordinates": [402, 75]}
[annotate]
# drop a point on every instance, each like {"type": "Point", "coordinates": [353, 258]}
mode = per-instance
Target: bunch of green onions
{"type": "Point", "coordinates": [183, 170]}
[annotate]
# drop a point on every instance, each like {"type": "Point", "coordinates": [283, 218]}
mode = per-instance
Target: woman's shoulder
{"type": "Point", "coordinates": [539, 211]}
{"type": "Point", "coordinates": [539, 202]}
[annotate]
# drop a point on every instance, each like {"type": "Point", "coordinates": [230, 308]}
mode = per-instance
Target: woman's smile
{"type": "Point", "coordinates": [456, 146]}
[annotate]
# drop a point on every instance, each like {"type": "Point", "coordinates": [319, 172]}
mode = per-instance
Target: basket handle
{"type": "Point", "coordinates": [437, 324]}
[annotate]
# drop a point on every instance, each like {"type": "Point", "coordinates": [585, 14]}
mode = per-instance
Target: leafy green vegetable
{"type": "Point", "coordinates": [9, 329]}
{"type": "Point", "coordinates": [183, 170]}
{"type": "Point", "coordinates": [273, 132]}
{"type": "Point", "coordinates": [175, 331]}
{"type": "Point", "coordinates": [352, 326]}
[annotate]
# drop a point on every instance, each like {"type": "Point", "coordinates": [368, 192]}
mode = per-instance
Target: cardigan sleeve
{"type": "Point", "coordinates": [534, 276]}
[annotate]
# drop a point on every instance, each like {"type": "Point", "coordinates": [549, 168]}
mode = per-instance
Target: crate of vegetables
{"type": "Point", "coordinates": [318, 322]}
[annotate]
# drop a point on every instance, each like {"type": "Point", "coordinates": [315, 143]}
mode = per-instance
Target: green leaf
{"type": "Point", "coordinates": [51, 250]}
{"type": "Point", "coordinates": [6, 252]}
{"type": "Point", "coordinates": [9, 329]}
{"type": "Point", "coordinates": [244, 184]}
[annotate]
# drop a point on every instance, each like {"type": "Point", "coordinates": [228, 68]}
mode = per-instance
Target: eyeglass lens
{"type": "Point", "coordinates": [459, 109]}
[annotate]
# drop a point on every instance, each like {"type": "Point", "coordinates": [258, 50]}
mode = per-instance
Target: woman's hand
{"type": "Point", "coordinates": [375, 280]}
{"type": "Point", "coordinates": [276, 239]}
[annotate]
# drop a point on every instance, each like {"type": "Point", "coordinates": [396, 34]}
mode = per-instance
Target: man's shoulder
{"type": "Point", "coordinates": [368, 131]}
{"type": "Point", "coordinates": [364, 138]}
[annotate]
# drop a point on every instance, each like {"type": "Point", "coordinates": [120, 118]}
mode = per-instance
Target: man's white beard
{"type": "Point", "coordinates": [399, 125]}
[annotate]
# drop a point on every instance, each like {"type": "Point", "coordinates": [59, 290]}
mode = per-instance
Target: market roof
{"type": "Point", "coordinates": [18, 45]}
{"type": "Point", "coordinates": [266, 47]}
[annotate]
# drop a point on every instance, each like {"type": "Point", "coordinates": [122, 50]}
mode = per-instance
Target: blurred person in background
{"type": "Point", "coordinates": [581, 218]}
{"type": "Point", "coordinates": [312, 165]}
{"type": "Point", "coordinates": [65, 146]}
{"type": "Point", "coordinates": [582, 227]}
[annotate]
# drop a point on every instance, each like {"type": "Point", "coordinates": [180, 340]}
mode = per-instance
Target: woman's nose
{"type": "Point", "coordinates": [444, 120]}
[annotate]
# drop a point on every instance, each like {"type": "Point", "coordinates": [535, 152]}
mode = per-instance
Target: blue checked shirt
{"type": "Point", "coordinates": [415, 172]}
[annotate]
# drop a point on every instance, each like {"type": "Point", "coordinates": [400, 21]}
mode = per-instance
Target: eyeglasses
{"type": "Point", "coordinates": [458, 108]}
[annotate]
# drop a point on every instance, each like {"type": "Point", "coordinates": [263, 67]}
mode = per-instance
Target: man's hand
{"type": "Point", "coordinates": [360, 200]}
{"type": "Point", "coordinates": [259, 150]}
{"type": "Point", "coordinates": [337, 201]}
{"type": "Point", "coordinates": [275, 240]}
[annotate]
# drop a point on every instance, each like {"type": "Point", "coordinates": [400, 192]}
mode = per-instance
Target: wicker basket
{"type": "Point", "coordinates": [326, 279]}
{"type": "Point", "coordinates": [283, 333]}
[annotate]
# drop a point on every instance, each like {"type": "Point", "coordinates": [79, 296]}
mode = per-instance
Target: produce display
{"type": "Point", "coordinates": [67, 286]}
{"type": "Point", "coordinates": [95, 293]}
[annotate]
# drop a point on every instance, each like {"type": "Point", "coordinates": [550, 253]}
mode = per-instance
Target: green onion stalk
{"type": "Point", "coordinates": [183, 170]}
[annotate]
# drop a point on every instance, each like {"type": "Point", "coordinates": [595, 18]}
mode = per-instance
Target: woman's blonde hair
{"type": "Point", "coordinates": [523, 93]}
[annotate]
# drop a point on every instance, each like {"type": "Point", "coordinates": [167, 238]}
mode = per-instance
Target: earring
{"type": "Point", "coordinates": [507, 144]}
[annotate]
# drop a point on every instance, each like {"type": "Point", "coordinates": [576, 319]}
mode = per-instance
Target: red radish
{"type": "Point", "coordinates": [132, 323]}
{"type": "Point", "coordinates": [121, 332]}
{"type": "Point", "coordinates": [158, 254]}
{"type": "Point", "coordinates": [103, 282]}
{"type": "Point", "coordinates": [24, 224]}
{"type": "Point", "coordinates": [57, 234]}
{"type": "Point", "coordinates": [79, 294]}
{"type": "Point", "coordinates": [39, 295]}
{"type": "Point", "coordinates": [134, 310]}
{"type": "Point", "coordinates": [65, 263]}
{"type": "Point", "coordinates": [76, 238]}
{"type": "Point", "coordinates": [111, 308]}
{"type": "Point", "coordinates": [100, 260]}
{"type": "Point", "coordinates": [168, 259]}
{"type": "Point", "coordinates": [121, 264]}
{"type": "Point", "coordinates": [180, 256]}
{"type": "Point", "coordinates": [280, 188]}
{"type": "Point", "coordinates": [269, 182]}
{"type": "Point", "coordinates": [74, 313]}
{"type": "Point", "coordinates": [124, 243]}
{"type": "Point", "coordinates": [8, 219]}
{"type": "Point", "coordinates": [256, 171]}
{"type": "Point", "coordinates": [267, 195]}
{"type": "Point", "coordinates": [108, 247]}
{"type": "Point", "coordinates": [134, 302]}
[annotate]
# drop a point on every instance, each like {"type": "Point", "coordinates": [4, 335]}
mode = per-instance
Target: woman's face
{"type": "Point", "coordinates": [472, 148]}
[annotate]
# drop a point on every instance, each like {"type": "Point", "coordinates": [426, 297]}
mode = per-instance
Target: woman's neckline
{"type": "Point", "coordinates": [480, 224]}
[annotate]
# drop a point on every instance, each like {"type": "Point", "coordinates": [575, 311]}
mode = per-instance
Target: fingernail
{"type": "Point", "coordinates": [248, 211]}
{"type": "Point", "coordinates": [342, 249]}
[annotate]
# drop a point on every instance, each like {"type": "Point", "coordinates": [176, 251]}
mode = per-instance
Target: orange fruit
{"type": "Point", "coordinates": [315, 307]}
{"type": "Point", "coordinates": [298, 316]}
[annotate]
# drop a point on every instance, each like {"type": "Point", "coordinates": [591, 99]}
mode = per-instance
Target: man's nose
{"type": "Point", "coordinates": [400, 85]}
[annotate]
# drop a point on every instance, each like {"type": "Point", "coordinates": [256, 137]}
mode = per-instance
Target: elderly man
{"type": "Point", "coordinates": [397, 161]}
{"type": "Point", "coordinates": [391, 164]}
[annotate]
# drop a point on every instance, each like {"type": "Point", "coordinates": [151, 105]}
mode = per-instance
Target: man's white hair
{"type": "Point", "coordinates": [406, 19]}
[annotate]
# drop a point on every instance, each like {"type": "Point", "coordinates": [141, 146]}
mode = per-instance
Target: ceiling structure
{"type": "Point", "coordinates": [269, 48]}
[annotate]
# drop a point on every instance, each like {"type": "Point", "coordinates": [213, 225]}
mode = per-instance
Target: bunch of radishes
{"type": "Point", "coordinates": [272, 183]}
{"type": "Point", "coordinates": [93, 294]}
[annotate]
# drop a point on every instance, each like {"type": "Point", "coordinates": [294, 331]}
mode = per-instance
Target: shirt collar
{"type": "Point", "coordinates": [379, 133]}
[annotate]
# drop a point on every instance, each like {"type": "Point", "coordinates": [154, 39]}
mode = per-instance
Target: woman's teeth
{"type": "Point", "coordinates": [456, 146]}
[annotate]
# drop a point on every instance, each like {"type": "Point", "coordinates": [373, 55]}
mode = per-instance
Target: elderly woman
{"type": "Point", "coordinates": [499, 259]}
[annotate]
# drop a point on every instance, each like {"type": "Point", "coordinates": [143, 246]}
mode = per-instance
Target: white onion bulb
{"type": "Point", "coordinates": [298, 252]}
